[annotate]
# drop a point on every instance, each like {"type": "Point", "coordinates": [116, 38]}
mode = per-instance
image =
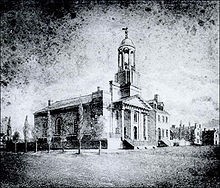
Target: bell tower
{"type": "Point", "coordinates": [127, 76]}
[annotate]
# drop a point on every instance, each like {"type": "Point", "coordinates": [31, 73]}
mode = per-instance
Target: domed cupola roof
{"type": "Point", "coordinates": [127, 42]}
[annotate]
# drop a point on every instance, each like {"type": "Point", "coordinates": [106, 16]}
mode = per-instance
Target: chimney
{"type": "Point", "coordinates": [49, 102]}
{"type": "Point", "coordinates": [111, 89]}
{"type": "Point", "coordinates": [98, 88]}
{"type": "Point", "coordinates": [156, 97]}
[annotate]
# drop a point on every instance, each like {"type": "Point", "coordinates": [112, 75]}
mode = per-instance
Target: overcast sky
{"type": "Point", "coordinates": [177, 54]}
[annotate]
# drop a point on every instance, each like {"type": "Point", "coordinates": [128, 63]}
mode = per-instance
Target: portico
{"type": "Point", "coordinates": [133, 120]}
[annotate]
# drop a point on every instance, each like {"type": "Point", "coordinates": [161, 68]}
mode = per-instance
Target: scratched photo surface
{"type": "Point", "coordinates": [109, 93]}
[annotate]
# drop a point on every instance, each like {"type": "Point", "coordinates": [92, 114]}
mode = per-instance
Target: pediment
{"type": "Point", "coordinates": [138, 102]}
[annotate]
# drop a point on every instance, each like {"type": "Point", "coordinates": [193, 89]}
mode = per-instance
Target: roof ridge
{"type": "Point", "coordinates": [71, 98]}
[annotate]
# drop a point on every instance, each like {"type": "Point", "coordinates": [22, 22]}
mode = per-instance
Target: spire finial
{"type": "Point", "coordinates": [126, 31]}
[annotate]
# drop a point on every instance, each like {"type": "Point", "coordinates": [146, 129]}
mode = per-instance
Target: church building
{"type": "Point", "coordinates": [129, 120]}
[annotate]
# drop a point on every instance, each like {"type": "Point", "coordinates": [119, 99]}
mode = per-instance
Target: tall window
{"type": "Point", "coordinates": [167, 133]}
{"type": "Point", "coordinates": [135, 116]}
{"type": "Point", "coordinates": [163, 118]}
{"type": "Point", "coordinates": [117, 115]}
{"type": "Point", "coordinates": [135, 133]}
{"type": "Point", "coordinates": [159, 118]}
{"type": "Point", "coordinates": [162, 133]}
{"type": "Point", "coordinates": [125, 131]}
{"type": "Point", "coordinates": [166, 119]}
{"type": "Point", "coordinates": [159, 133]}
{"type": "Point", "coordinates": [58, 126]}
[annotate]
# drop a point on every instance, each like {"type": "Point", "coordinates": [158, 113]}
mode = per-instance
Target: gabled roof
{"type": "Point", "coordinates": [67, 103]}
{"type": "Point", "coordinates": [135, 100]}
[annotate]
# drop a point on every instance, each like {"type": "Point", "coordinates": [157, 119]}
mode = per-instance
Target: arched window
{"type": "Point", "coordinates": [125, 131]}
{"type": "Point", "coordinates": [58, 126]}
{"type": "Point", "coordinates": [117, 115]}
{"type": "Point", "coordinates": [131, 58]}
{"type": "Point", "coordinates": [135, 133]}
{"type": "Point", "coordinates": [144, 132]}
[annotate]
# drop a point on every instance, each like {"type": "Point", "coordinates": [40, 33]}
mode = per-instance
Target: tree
{"type": "Point", "coordinates": [26, 130]}
{"type": "Point", "coordinates": [9, 130]}
{"type": "Point", "coordinates": [93, 129]}
{"type": "Point", "coordinates": [15, 139]}
{"type": "Point", "coordinates": [97, 130]}
{"type": "Point", "coordinates": [49, 132]}
{"type": "Point", "coordinates": [63, 136]}
{"type": "Point", "coordinates": [36, 135]}
{"type": "Point", "coordinates": [81, 126]}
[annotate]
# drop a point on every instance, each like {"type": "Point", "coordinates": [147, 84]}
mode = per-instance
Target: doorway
{"type": "Point", "coordinates": [135, 133]}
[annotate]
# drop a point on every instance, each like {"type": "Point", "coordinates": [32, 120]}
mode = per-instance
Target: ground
{"type": "Point", "coordinates": [188, 166]}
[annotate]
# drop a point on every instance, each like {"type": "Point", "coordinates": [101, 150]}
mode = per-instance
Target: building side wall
{"type": "Point", "coordinates": [40, 123]}
{"type": "Point", "coordinates": [163, 125]}
{"type": "Point", "coordinates": [68, 119]}
{"type": "Point", "coordinates": [152, 139]}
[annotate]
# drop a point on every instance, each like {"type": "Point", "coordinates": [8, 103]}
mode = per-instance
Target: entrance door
{"type": "Point", "coordinates": [135, 133]}
{"type": "Point", "coordinates": [125, 133]}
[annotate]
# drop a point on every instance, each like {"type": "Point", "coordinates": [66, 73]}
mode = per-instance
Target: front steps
{"type": "Point", "coordinates": [136, 144]}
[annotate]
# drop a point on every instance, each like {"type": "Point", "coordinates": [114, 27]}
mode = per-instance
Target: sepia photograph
{"type": "Point", "coordinates": [109, 93]}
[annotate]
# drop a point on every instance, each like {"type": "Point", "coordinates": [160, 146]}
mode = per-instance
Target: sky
{"type": "Point", "coordinates": [177, 55]}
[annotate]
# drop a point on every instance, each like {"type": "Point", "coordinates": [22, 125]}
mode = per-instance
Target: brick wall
{"type": "Point", "coordinates": [152, 136]}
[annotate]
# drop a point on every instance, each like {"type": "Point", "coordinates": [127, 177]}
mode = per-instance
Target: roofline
{"type": "Point", "coordinates": [45, 109]}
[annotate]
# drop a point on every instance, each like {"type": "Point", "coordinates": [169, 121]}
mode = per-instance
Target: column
{"type": "Point", "coordinates": [129, 63]}
{"type": "Point", "coordinates": [122, 60]}
{"type": "Point", "coordinates": [139, 125]}
{"type": "Point", "coordinates": [146, 126]}
{"type": "Point", "coordinates": [119, 61]}
{"type": "Point", "coordinates": [122, 123]}
{"type": "Point", "coordinates": [132, 127]}
{"type": "Point", "coordinates": [134, 58]}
